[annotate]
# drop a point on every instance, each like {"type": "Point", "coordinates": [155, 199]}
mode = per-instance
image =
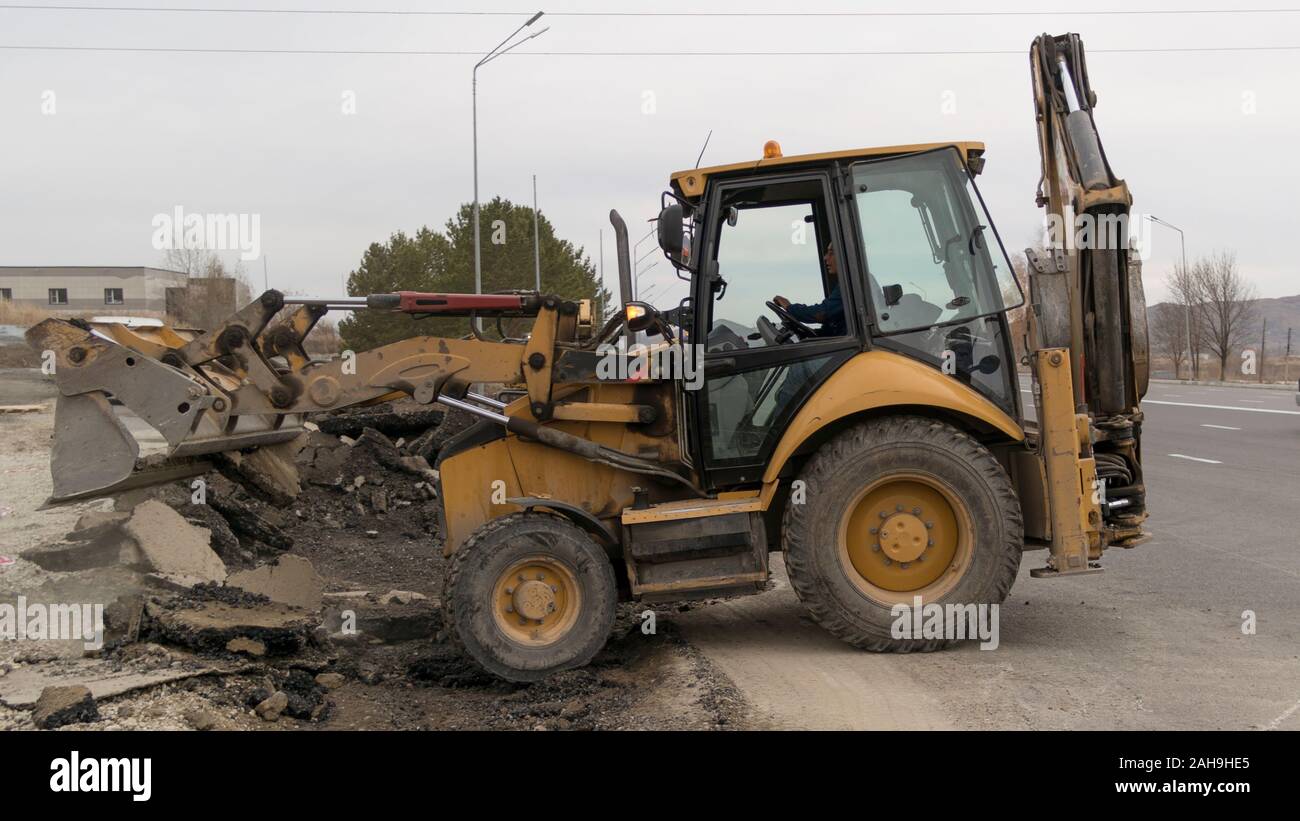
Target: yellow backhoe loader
{"type": "Point", "coordinates": [840, 385]}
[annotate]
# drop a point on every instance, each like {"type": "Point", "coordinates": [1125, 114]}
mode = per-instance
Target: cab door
{"type": "Point", "coordinates": [769, 237]}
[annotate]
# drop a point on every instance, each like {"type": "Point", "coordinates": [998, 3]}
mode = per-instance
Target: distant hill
{"type": "Point", "coordinates": [1281, 312]}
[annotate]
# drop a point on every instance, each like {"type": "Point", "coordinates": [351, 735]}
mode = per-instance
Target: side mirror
{"type": "Point", "coordinates": [640, 316]}
{"type": "Point", "coordinates": [893, 294]}
{"type": "Point", "coordinates": [671, 236]}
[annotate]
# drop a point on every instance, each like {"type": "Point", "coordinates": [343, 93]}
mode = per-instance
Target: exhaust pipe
{"type": "Point", "coordinates": [624, 264]}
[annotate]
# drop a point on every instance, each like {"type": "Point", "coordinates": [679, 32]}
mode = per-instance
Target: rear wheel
{"type": "Point", "coordinates": [894, 509]}
{"type": "Point", "coordinates": [528, 595]}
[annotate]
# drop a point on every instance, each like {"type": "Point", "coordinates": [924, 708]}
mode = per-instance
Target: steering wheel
{"type": "Point", "coordinates": [789, 322]}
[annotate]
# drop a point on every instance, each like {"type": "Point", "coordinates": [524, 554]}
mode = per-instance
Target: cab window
{"type": "Point", "coordinates": [931, 256]}
{"type": "Point", "coordinates": [773, 247]}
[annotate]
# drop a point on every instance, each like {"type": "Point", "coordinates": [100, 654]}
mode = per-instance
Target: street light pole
{"type": "Point", "coordinates": [537, 241]}
{"type": "Point", "coordinates": [636, 275]}
{"type": "Point", "coordinates": [1187, 309]}
{"type": "Point", "coordinates": [487, 58]}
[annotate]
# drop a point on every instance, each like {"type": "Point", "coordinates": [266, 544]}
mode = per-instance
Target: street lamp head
{"type": "Point", "coordinates": [534, 18]}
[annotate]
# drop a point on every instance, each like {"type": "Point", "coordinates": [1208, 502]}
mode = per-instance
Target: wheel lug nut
{"type": "Point", "coordinates": [916, 511]}
{"type": "Point", "coordinates": [888, 561]}
{"type": "Point", "coordinates": [930, 543]}
{"type": "Point", "coordinates": [510, 608]}
{"type": "Point", "coordinates": [541, 576]}
{"type": "Point", "coordinates": [876, 548]}
{"type": "Point", "coordinates": [555, 589]}
{"type": "Point", "coordinates": [884, 515]}
{"type": "Point", "coordinates": [898, 508]}
{"type": "Point", "coordinates": [510, 591]}
{"type": "Point", "coordinates": [874, 530]}
{"type": "Point", "coordinates": [929, 525]}
{"type": "Point", "coordinates": [903, 565]}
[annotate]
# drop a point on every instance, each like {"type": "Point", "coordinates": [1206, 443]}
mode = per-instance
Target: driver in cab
{"type": "Point", "coordinates": [829, 313]}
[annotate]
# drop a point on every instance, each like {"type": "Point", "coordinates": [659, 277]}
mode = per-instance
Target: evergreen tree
{"type": "Point", "coordinates": [445, 263]}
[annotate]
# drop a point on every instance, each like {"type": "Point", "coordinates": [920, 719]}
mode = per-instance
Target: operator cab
{"type": "Point", "coordinates": [797, 264]}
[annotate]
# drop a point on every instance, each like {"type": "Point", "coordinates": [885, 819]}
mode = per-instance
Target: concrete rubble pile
{"type": "Point", "coordinates": [215, 589]}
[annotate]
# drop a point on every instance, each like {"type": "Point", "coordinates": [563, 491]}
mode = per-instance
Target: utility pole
{"type": "Point", "coordinates": [1263, 335]}
{"type": "Point", "coordinates": [602, 277]}
{"type": "Point", "coordinates": [266, 280]}
{"type": "Point", "coordinates": [1286, 361]}
{"type": "Point", "coordinates": [537, 241]}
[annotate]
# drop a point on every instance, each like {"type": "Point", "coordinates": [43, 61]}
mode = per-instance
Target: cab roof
{"type": "Point", "coordinates": [690, 183]}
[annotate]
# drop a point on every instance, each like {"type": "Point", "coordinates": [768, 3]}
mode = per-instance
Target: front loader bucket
{"type": "Point", "coordinates": [96, 453]}
{"type": "Point", "coordinates": [93, 450]}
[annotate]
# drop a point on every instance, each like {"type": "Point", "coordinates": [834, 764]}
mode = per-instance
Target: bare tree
{"type": "Point", "coordinates": [195, 262]}
{"type": "Point", "coordinates": [202, 262]}
{"type": "Point", "coordinates": [1226, 305]}
{"type": "Point", "coordinates": [1168, 326]}
{"type": "Point", "coordinates": [1017, 319]}
{"type": "Point", "coordinates": [1184, 294]}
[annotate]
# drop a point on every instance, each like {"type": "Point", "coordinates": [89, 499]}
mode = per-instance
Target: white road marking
{"type": "Point", "coordinates": [1196, 459]}
{"type": "Point", "coordinates": [1273, 725]}
{"type": "Point", "coordinates": [1220, 427]}
{"type": "Point", "coordinates": [1220, 407]}
{"type": "Point", "coordinates": [1212, 407]}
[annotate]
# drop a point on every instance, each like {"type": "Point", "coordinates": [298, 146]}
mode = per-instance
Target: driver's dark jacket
{"type": "Point", "coordinates": [831, 310]}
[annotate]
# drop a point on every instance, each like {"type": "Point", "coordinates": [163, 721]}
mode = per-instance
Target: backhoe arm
{"type": "Point", "coordinates": [1087, 320]}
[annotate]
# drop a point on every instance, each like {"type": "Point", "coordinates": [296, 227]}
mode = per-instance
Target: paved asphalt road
{"type": "Point", "coordinates": [1154, 642]}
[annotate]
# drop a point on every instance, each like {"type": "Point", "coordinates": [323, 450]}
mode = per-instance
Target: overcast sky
{"type": "Point", "coordinates": [1206, 140]}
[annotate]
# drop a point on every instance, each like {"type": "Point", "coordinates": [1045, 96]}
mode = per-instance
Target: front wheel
{"type": "Point", "coordinates": [528, 595]}
{"type": "Point", "coordinates": [899, 508]}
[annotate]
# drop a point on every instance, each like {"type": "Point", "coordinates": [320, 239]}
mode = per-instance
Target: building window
{"type": "Point", "coordinates": [113, 296]}
{"type": "Point", "coordinates": [58, 296]}
{"type": "Point", "coordinates": [6, 294]}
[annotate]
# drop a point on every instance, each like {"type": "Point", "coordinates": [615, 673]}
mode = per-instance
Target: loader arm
{"type": "Point", "coordinates": [1087, 335]}
{"type": "Point", "coordinates": [226, 390]}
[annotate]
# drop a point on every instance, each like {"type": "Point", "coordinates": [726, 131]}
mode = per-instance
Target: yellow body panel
{"type": "Point", "coordinates": [691, 182]}
{"type": "Point", "coordinates": [1071, 471]}
{"type": "Point", "coordinates": [530, 469]}
{"type": "Point", "coordinates": [692, 509]}
{"type": "Point", "coordinates": [878, 379]}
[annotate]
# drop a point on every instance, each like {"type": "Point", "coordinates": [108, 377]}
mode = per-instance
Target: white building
{"type": "Point", "coordinates": [97, 288]}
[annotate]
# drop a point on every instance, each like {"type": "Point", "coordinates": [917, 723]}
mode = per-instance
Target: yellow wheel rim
{"type": "Point", "coordinates": [535, 602]}
{"type": "Point", "coordinates": [905, 535]}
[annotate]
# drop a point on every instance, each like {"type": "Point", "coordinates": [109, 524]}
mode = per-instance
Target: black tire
{"type": "Point", "coordinates": [469, 595]}
{"type": "Point", "coordinates": [837, 475]}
